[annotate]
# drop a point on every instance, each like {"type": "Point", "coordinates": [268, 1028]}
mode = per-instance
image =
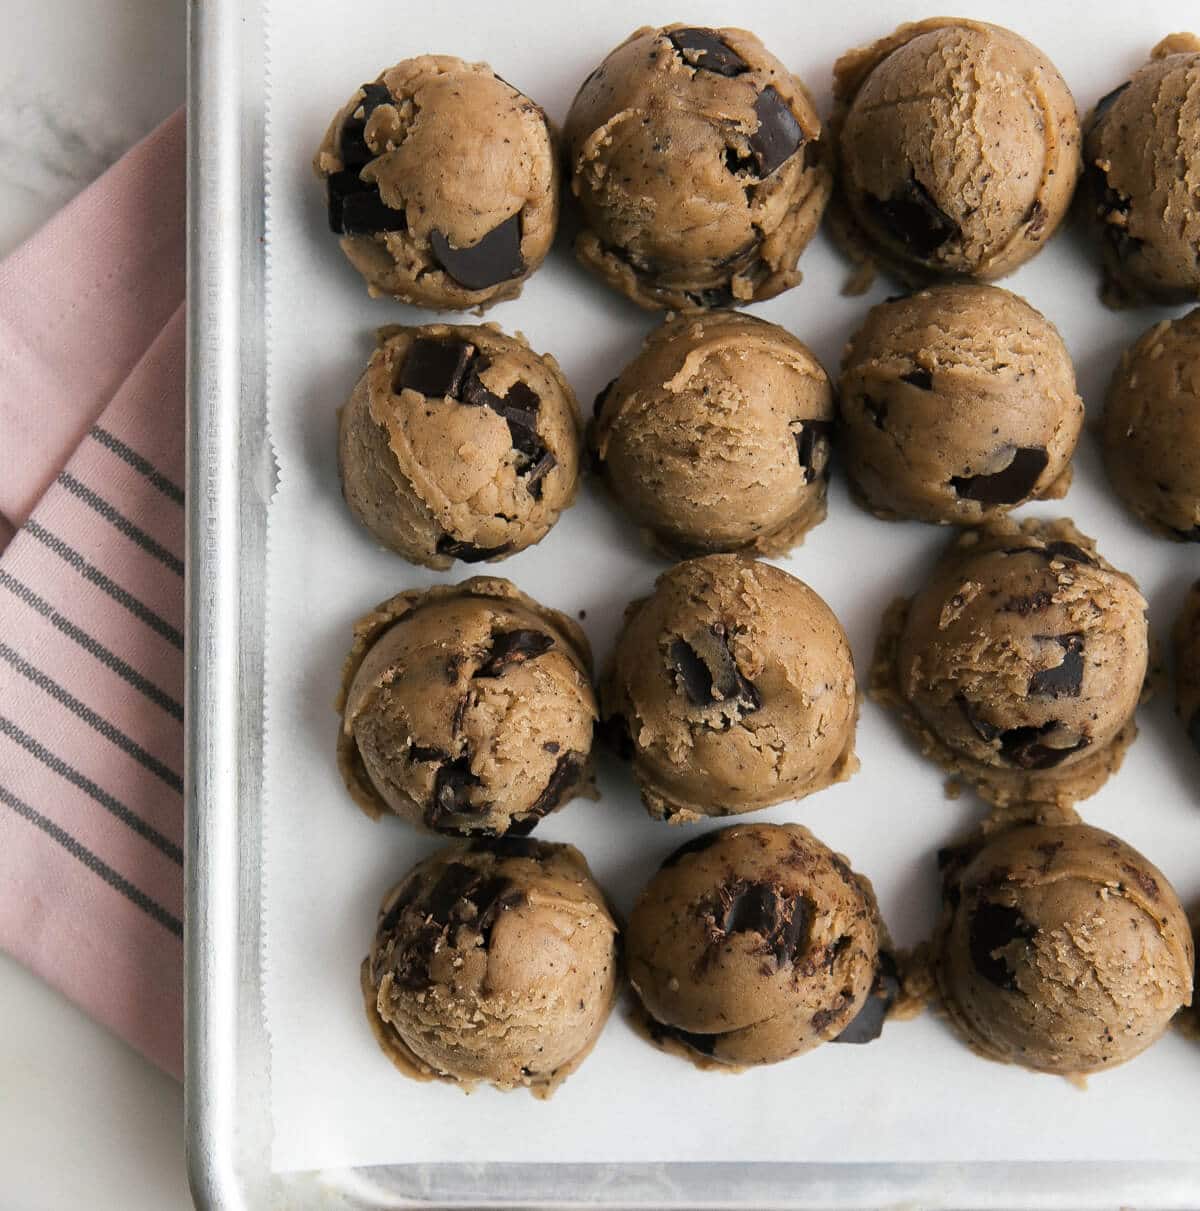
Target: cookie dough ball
{"type": "Point", "coordinates": [1140, 153]}
{"type": "Point", "coordinates": [957, 403]}
{"type": "Point", "coordinates": [1152, 428]}
{"type": "Point", "coordinates": [467, 709]}
{"type": "Point", "coordinates": [716, 437]}
{"type": "Point", "coordinates": [696, 159]}
{"type": "Point", "coordinates": [1018, 667]}
{"type": "Point", "coordinates": [957, 147]}
{"type": "Point", "coordinates": [493, 961]}
{"type": "Point", "coordinates": [458, 443]}
{"type": "Point", "coordinates": [1187, 665]}
{"type": "Point", "coordinates": [442, 180]}
{"type": "Point", "coordinates": [754, 944]}
{"type": "Point", "coordinates": [1061, 949]}
{"type": "Point", "coordinates": [731, 688]}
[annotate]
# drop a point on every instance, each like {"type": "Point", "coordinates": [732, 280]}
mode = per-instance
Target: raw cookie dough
{"type": "Point", "coordinates": [1141, 155]}
{"type": "Point", "coordinates": [493, 961]}
{"type": "Point", "coordinates": [756, 943]}
{"type": "Point", "coordinates": [731, 688]}
{"type": "Point", "coordinates": [696, 159]}
{"type": "Point", "coordinates": [458, 443]}
{"type": "Point", "coordinates": [1187, 665]}
{"type": "Point", "coordinates": [957, 150]}
{"type": "Point", "coordinates": [716, 437]}
{"type": "Point", "coordinates": [467, 709]}
{"type": "Point", "coordinates": [1018, 667]}
{"type": "Point", "coordinates": [1152, 427]}
{"type": "Point", "coordinates": [957, 404]}
{"type": "Point", "coordinates": [1061, 949]}
{"type": "Point", "coordinates": [442, 180]}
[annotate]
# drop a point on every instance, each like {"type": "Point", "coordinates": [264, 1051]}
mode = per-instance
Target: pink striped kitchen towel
{"type": "Point", "coordinates": [91, 598]}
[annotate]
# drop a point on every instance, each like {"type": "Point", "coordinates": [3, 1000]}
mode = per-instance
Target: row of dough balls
{"type": "Point", "coordinates": [955, 405]}
{"type": "Point", "coordinates": [1059, 948]}
{"type": "Point", "coordinates": [701, 168]}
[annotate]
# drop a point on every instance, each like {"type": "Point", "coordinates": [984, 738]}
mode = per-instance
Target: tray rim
{"type": "Point", "coordinates": [230, 475]}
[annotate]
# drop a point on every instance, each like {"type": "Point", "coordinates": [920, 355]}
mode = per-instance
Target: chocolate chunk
{"type": "Point", "coordinates": [447, 893]}
{"type": "Point", "coordinates": [352, 143]}
{"type": "Point", "coordinates": [420, 752]}
{"type": "Point", "coordinates": [783, 922]}
{"type": "Point", "coordinates": [985, 730]}
{"type": "Point", "coordinates": [1069, 552]}
{"type": "Point", "coordinates": [705, 51]}
{"type": "Point", "coordinates": [705, 1044]}
{"type": "Point", "coordinates": [468, 552]}
{"type": "Point", "coordinates": [1022, 747]}
{"type": "Point", "coordinates": [1194, 730]}
{"type": "Point", "coordinates": [812, 448]}
{"type": "Point", "coordinates": [738, 163]}
{"type": "Point", "coordinates": [613, 732]}
{"type": "Point", "coordinates": [868, 1023]}
{"type": "Point", "coordinates": [435, 367]}
{"type": "Point", "coordinates": [1006, 487]}
{"type": "Point", "coordinates": [696, 845]}
{"type": "Point", "coordinates": [1106, 101]}
{"type": "Point", "coordinates": [778, 136]}
{"type": "Point", "coordinates": [711, 296]}
{"type": "Point", "coordinates": [512, 847]}
{"type": "Point", "coordinates": [542, 468]}
{"type": "Point", "coordinates": [519, 408]}
{"type": "Point", "coordinates": [521, 826]}
{"type": "Point", "coordinates": [995, 927]}
{"type": "Point", "coordinates": [496, 258]}
{"type": "Point", "coordinates": [708, 674]}
{"type": "Point", "coordinates": [514, 647]}
{"type": "Point", "coordinates": [356, 207]}
{"type": "Point", "coordinates": [919, 378]}
{"type": "Point", "coordinates": [491, 898]}
{"type": "Point", "coordinates": [1064, 680]}
{"type": "Point", "coordinates": [562, 782]}
{"type": "Point", "coordinates": [452, 788]}
{"type": "Point", "coordinates": [914, 219]}
{"type": "Point", "coordinates": [1025, 604]}
{"type": "Point", "coordinates": [876, 409]}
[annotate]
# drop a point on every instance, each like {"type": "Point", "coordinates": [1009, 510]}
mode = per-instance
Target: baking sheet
{"type": "Point", "coordinates": [917, 1094]}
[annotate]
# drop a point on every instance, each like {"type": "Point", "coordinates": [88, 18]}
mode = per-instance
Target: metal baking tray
{"type": "Point", "coordinates": [230, 477]}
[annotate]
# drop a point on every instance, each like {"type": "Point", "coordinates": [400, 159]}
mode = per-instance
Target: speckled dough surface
{"type": "Point", "coordinates": [1152, 427]}
{"type": "Point", "coordinates": [443, 182]}
{"type": "Point", "coordinates": [696, 159]}
{"type": "Point", "coordinates": [1019, 665]}
{"type": "Point", "coordinates": [1061, 949]}
{"type": "Point", "coordinates": [458, 443]}
{"type": "Point", "coordinates": [731, 688]}
{"type": "Point", "coordinates": [493, 961]}
{"type": "Point", "coordinates": [957, 404]}
{"type": "Point", "coordinates": [716, 437]}
{"type": "Point", "coordinates": [1187, 665]}
{"type": "Point", "coordinates": [756, 943]}
{"type": "Point", "coordinates": [466, 709]}
{"type": "Point", "coordinates": [1142, 178]}
{"type": "Point", "coordinates": [957, 150]}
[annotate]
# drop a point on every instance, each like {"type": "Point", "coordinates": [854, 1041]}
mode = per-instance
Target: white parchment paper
{"type": "Point", "coordinates": [917, 1094]}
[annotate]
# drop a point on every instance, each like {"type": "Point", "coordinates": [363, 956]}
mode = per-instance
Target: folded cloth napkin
{"type": "Point", "coordinates": [91, 598]}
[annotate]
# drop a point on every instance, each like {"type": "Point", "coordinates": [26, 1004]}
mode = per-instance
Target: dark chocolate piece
{"type": "Point", "coordinates": [496, 258]}
{"type": "Point", "coordinates": [711, 296]}
{"type": "Point", "coordinates": [737, 162]}
{"type": "Point", "coordinates": [539, 471]}
{"type": "Point", "coordinates": [452, 788]}
{"type": "Point", "coordinates": [512, 847]}
{"type": "Point", "coordinates": [519, 408]}
{"type": "Point", "coordinates": [352, 142]}
{"type": "Point", "coordinates": [435, 367]}
{"type": "Point", "coordinates": [468, 552]}
{"type": "Point", "coordinates": [1006, 487]}
{"type": "Point", "coordinates": [1106, 101]}
{"type": "Point", "coordinates": [1064, 680]}
{"type": "Point", "coordinates": [420, 752]}
{"type": "Point", "coordinates": [446, 894]}
{"type": "Point", "coordinates": [812, 447]}
{"type": "Point", "coordinates": [782, 921]}
{"type": "Point", "coordinates": [562, 782]}
{"type": "Point", "coordinates": [705, 51]}
{"type": "Point", "coordinates": [708, 674]}
{"type": "Point", "coordinates": [695, 846]}
{"type": "Point", "coordinates": [983, 729]}
{"type": "Point", "coordinates": [514, 647]}
{"type": "Point", "coordinates": [779, 134]}
{"type": "Point", "coordinates": [914, 219]}
{"type": "Point", "coordinates": [356, 207]}
{"type": "Point", "coordinates": [1022, 747]}
{"type": "Point", "coordinates": [1025, 604]}
{"type": "Point", "coordinates": [993, 928]}
{"type": "Point", "coordinates": [867, 1025]}
{"type": "Point", "coordinates": [1069, 552]}
{"type": "Point", "coordinates": [919, 377]}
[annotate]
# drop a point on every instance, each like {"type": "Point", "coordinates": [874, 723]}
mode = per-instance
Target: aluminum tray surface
{"type": "Point", "coordinates": [231, 478]}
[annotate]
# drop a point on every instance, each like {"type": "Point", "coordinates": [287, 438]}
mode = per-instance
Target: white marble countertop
{"type": "Point", "coordinates": [84, 1121]}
